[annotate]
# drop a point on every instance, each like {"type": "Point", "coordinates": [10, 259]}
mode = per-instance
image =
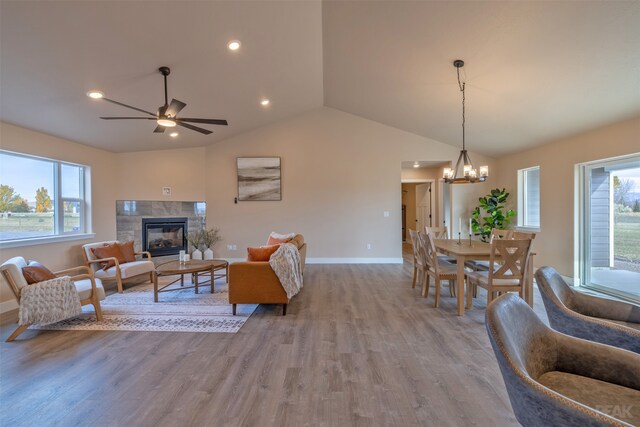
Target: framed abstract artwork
{"type": "Point", "coordinates": [259, 179]}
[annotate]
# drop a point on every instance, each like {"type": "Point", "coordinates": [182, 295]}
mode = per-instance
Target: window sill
{"type": "Point", "coordinates": [45, 240]}
{"type": "Point", "coordinates": [528, 229]}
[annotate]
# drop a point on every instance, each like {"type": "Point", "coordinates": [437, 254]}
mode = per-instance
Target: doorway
{"type": "Point", "coordinates": [418, 206]}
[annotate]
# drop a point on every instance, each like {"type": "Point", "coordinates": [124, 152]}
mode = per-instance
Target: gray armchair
{"type": "Point", "coordinates": [585, 316]}
{"type": "Point", "coordinates": [558, 380]}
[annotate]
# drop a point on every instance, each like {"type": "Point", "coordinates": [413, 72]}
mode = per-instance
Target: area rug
{"type": "Point", "coordinates": [177, 311]}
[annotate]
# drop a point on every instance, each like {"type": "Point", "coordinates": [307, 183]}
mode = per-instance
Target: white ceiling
{"type": "Point", "coordinates": [52, 53]}
{"type": "Point", "coordinates": [535, 71]}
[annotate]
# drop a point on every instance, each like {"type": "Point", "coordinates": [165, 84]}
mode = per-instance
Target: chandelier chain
{"type": "Point", "coordinates": [461, 86]}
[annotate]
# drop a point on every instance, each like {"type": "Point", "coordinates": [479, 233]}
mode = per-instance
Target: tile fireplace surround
{"type": "Point", "coordinates": [129, 215]}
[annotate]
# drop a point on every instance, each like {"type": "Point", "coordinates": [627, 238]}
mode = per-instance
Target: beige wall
{"type": "Point", "coordinates": [141, 175]}
{"type": "Point", "coordinates": [339, 174]}
{"type": "Point", "coordinates": [555, 242]}
{"type": "Point", "coordinates": [64, 254]}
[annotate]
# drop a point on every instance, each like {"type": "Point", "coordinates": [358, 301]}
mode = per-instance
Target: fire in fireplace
{"type": "Point", "coordinates": [164, 236]}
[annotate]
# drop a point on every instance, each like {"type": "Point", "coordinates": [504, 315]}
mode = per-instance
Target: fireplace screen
{"type": "Point", "coordinates": [164, 236]}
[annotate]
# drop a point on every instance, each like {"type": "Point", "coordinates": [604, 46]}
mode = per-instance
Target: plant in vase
{"type": "Point", "coordinates": [493, 205]}
{"type": "Point", "coordinates": [194, 238]}
{"type": "Point", "coordinates": [209, 238]}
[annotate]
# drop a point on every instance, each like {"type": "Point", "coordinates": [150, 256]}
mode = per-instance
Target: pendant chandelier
{"type": "Point", "coordinates": [469, 173]}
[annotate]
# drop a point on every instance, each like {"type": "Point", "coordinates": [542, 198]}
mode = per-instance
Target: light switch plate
{"type": "Point", "coordinates": [386, 214]}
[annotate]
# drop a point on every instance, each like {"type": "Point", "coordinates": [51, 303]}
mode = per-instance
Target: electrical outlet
{"type": "Point", "coordinates": [369, 246]}
{"type": "Point", "coordinates": [232, 247]}
{"type": "Point", "coordinates": [386, 214]}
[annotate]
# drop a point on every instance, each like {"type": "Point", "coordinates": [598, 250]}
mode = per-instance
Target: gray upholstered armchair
{"type": "Point", "coordinates": [558, 380]}
{"type": "Point", "coordinates": [585, 316]}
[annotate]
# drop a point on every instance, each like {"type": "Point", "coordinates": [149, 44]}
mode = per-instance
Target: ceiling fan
{"type": "Point", "coordinates": [166, 117]}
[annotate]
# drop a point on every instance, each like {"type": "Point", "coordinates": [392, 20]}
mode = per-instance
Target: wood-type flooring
{"type": "Point", "coordinates": [358, 347]}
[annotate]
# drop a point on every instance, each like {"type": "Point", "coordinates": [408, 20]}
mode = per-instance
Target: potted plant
{"type": "Point", "coordinates": [209, 238]}
{"type": "Point", "coordinates": [493, 205]}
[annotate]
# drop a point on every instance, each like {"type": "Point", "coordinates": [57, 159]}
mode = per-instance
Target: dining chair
{"type": "Point", "coordinates": [418, 260]}
{"type": "Point", "coordinates": [436, 268]}
{"type": "Point", "coordinates": [507, 268]}
{"type": "Point", "coordinates": [554, 379]}
{"type": "Point", "coordinates": [589, 317]}
{"type": "Point", "coordinates": [482, 265]}
{"type": "Point", "coordinates": [440, 233]}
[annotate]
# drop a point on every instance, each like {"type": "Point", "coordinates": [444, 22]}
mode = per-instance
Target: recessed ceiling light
{"type": "Point", "coordinates": [416, 165]}
{"type": "Point", "coordinates": [265, 102]}
{"type": "Point", "coordinates": [173, 134]}
{"type": "Point", "coordinates": [234, 45]}
{"type": "Point", "coordinates": [95, 94]}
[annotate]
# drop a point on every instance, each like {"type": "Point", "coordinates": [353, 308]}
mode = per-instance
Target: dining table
{"type": "Point", "coordinates": [475, 250]}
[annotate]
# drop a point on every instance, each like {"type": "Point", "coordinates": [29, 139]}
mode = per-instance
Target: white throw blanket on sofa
{"type": "Point", "coordinates": [49, 301]}
{"type": "Point", "coordinates": [285, 262]}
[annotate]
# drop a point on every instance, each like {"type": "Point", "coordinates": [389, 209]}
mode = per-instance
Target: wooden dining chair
{"type": "Point", "coordinates": [484, 265]}
{"type": "Point", "coordinates": [507, 268]}
{"type": "Point", "coordinates": [418, 260]}
{"type": "Point", "coordinates": [440, 233]}
{"type": "Point", "coordinates": [436, 268]}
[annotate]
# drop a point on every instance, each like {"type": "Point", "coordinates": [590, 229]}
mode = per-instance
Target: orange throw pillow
{"type": "Point", "coordinates": [128, 253]}
{"type": "Point", "coordinates": [108, 251]}
{"type": "Point", "coordinates": [261, 254]}
{"type": "Point", "coordinates": [36, 272]}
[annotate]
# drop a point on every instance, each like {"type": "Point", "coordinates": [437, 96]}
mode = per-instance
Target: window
{"type": "Point", "coordinates": [608, 234]}
{"type": "Point", "coordinates": [529, 197]}
{"type": "Point", "coordinates": [41, 198]}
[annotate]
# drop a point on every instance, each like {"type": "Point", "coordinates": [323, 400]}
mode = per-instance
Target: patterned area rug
{"type": "Point", "coordinates": [178, 311]}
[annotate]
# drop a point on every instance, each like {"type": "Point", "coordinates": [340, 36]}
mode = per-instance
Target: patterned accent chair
{"type": "Point", "coordinates": [119, 271]}
{"type": "Point", "coordinates": [554, 379]}
{"type": "Point", "coordinates": [585, 316]}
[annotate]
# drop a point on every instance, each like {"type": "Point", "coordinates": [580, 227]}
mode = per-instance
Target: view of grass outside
{"type": "Point", "coordinates": [26, 225]}
{"type": "Point", "coordinates": [627, 237]}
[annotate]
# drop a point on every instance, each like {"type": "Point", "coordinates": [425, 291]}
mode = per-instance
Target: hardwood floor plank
{"type": "Point", "coordinates": [358, 347]}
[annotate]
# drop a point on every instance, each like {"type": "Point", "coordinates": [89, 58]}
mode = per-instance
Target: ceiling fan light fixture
{"type": "Point", "coordinates": [234, 45]}
{"type": "Point", "coordinates": [95, 94]}
{"type": "Point", "coordinates": [168, 123]}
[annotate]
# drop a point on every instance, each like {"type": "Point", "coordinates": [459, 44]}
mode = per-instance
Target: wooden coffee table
{"type": "Point", "coordinates": [193, 267]}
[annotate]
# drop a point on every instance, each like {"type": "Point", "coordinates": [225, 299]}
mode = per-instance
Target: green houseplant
{"type": "Point", "coordinates": [492, 205]}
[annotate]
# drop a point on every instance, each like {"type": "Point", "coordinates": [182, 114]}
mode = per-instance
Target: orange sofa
{"type": "Point", "coordinates": [254, 282]}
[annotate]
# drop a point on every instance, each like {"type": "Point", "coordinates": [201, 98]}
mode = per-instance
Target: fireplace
{"type": "Point", "coordinates": [164, 236]}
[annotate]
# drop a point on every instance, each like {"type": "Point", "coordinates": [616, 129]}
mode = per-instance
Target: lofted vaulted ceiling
{"type": "Point", "coordinates": [535, 71]}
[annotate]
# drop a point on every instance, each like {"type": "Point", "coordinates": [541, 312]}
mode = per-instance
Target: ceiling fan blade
{"type": "Point", "coordinates": [175, 107]}
{"type": "Point", "coordinates": [197, 129]}
{"type": "Point", "coordinates": [159, 129]}
{"type": "Point", "coordinates": [128, 106]}
{"type": "Point", "coordinates": [128, 118]}
{"type": "Point", "coordinates": [221, 122]}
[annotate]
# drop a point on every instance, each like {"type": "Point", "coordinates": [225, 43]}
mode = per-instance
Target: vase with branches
{"type": "Point", "coordinates": [491, 214]}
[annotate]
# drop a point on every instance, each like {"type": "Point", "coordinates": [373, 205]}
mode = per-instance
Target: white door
{"type": "Point", "coordinates": [423, 206]}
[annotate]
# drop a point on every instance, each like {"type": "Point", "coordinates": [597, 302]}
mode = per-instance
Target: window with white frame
{"type": "Point", "coordinates": [529, 197]}
{"type": "Point", "coordinates": [41, 197]}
